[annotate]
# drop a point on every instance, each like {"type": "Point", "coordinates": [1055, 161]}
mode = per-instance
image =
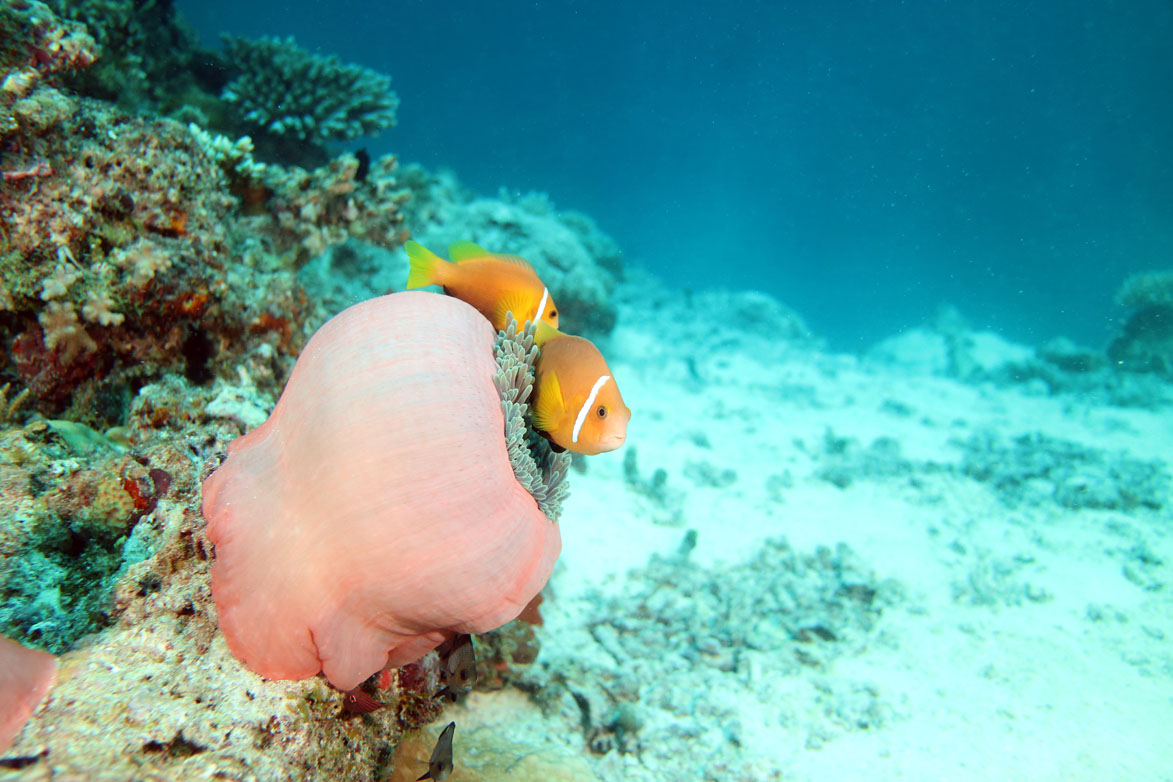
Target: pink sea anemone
{"type": "Point", "coordinates": [376, 512]}
{"type": "Point", "coordinates": [25, 677]}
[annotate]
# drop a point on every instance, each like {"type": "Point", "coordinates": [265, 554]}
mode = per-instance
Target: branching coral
{"type": "Point", "coordinates": [63, 331]}
{"type": "Point", "coordinates": [284, 90]}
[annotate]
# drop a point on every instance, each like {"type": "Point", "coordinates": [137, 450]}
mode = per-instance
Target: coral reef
{"type": "Point", "coordinates": [155, 299]}
{"type": "Point", "coordinates": [115, 264]}
{"type": "Point", "coordinates": [152, 247]}
{"type": "Point", "coordinates": [293, 103]}
{"type": "Point", "coordinates": [150, 312]}
{"type": "Point", "coordinates": [149, 54]}
{"type": "Point", "coordinates": [39, 50]}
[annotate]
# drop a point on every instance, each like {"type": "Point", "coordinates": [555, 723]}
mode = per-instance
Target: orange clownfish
{"type": "Point", "coordinates": [576, 403]}
{"type": "Point", "coordinates": [494, 284]}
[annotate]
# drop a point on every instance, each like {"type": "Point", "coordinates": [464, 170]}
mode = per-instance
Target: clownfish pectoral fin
{"type": "Point", "coordinates": [426, 267]}
{"type": "Point", "coordinates": [548, 406]}
{"type": "Point", "coordinates": [462, 251]}
{"type": "Point", "coordinates": [515, 303]}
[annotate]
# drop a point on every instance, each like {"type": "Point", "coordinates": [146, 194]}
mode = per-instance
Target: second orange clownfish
{"type": "Point", "coordinates": [494, 284]}
{"type": "Point", "coordinates": [576, 401]}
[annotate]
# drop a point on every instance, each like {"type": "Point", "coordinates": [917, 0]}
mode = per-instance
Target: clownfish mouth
{"type": "Point", "coordinates": [612, 441]}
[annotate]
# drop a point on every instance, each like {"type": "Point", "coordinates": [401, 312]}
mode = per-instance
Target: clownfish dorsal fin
{"type": "Point", "coordinates": [463, 251]}
{"type": "Point", "coordinates": [514, 259]}
{"type": "Point", "coordinates": [548, 406]}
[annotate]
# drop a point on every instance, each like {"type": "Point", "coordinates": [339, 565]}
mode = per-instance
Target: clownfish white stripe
{"type": "Point", "coordinates": [586, 406]}
{"type": "Point", "coordinates": [542, 304]}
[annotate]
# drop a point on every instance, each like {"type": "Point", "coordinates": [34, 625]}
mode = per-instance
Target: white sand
{"type": "Point", "coordinates": [1035, 690]}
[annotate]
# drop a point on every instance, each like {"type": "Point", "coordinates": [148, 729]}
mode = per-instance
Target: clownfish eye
{"type": "Point", "coordinates": [601, 411]}
{"type": "Point", "coordinates": [553, 313]}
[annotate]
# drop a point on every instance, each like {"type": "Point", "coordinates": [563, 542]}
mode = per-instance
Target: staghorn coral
{"type": "Point", "coordinates": [282, 91]}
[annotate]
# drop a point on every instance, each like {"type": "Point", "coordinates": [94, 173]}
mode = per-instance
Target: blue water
{"type": "Point", "coordinates": [864, 162]}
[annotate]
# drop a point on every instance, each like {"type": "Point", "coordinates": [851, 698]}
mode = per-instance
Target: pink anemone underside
{"type": "Point", "coordinates": [375, 512]}
{"type": "Point", "coordinates": [25, 677]}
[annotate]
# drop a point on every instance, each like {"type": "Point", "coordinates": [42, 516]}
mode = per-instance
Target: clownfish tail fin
{"type": "Point", "coordinates": [427, 268]}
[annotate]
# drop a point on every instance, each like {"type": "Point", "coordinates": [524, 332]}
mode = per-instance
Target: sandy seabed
{"type": "Point", "coordinates": [1020, 541]}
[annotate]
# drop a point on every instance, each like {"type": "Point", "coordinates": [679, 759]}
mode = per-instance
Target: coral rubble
{"type": "Point", "coordinates": [667, 671]}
